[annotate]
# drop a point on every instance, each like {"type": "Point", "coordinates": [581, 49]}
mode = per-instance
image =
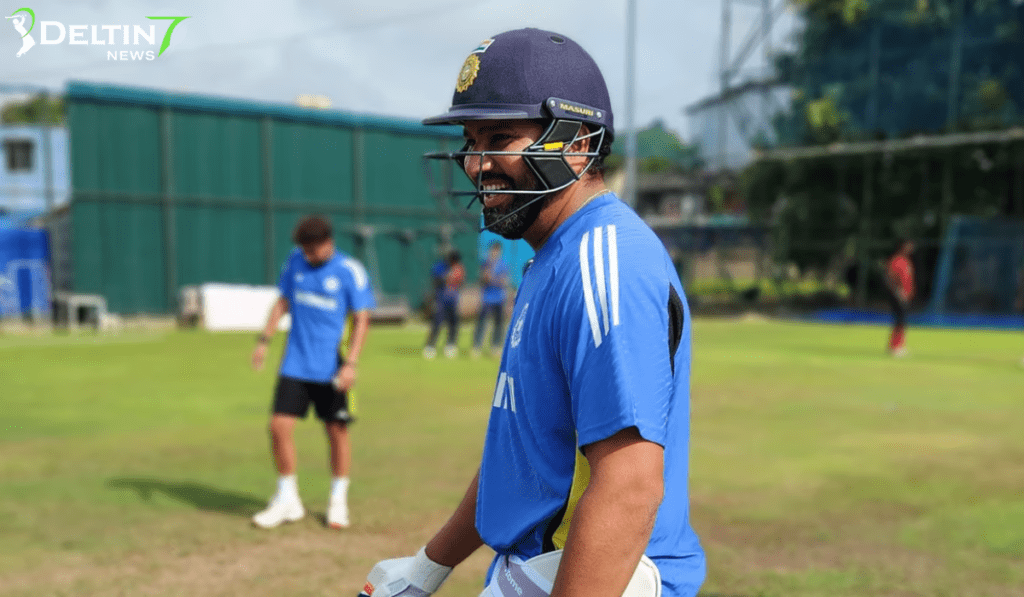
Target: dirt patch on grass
{"type": "Point", "coordinates": [854, 554]}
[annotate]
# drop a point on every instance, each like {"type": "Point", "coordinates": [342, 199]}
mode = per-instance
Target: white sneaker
{"type": "Point", "coordinates": [451, 351]}
{"type": "Point", "coordinates": [899, 353]}
{"type": "Point", "coordinates": [279, 511]}
{"type": "Point", "coordinates": [429, 352]}
{"type": "Point", "coordinates": [337, 513]}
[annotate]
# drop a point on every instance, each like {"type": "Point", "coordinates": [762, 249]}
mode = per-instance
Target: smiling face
{"type": "Point", "coordinates": [504, 172]}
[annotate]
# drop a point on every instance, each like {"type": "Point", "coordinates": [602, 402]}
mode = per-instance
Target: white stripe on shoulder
{"type": "Point", "coordinates": [358, 272]}
{"type": "Point", "coordinates": [512, 394]}
{"type": "Point", "coordinates": [588, 291]}
{"type": "Point", "coordinates": [602, 294]}
{"type": "Point", "coordinates": [613, 272]}
{"type": "Point", "coordinates": [499, 391]}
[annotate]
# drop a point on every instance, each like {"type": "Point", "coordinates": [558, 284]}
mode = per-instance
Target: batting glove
{"type": "Point", "coordinates": [417, 576]}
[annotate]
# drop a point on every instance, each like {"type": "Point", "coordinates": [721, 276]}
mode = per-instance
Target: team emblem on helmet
{"type": "Point", "coordinates": [468, 73]}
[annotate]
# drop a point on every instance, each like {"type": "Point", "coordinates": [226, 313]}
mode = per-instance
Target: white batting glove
{"type": "Point", "coordinates": [416, 576]}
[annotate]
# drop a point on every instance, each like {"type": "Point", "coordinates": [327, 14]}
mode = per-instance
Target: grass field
{"type": "Point", "coordinates": [129, 464]}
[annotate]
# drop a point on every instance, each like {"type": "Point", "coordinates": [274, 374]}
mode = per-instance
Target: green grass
{"type": "Point", "coordinates": [129, 464]}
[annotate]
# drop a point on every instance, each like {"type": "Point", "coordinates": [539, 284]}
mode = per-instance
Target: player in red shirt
{"type": "Point", "coordinates": [899, 275]}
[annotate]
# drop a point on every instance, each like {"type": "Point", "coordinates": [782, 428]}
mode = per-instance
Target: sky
{"type": "Point", "coordinates": [387, 57]}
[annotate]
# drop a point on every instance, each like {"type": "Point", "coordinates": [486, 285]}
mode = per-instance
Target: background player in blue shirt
{"type": "Point", "coordinates": [320, 286]}
{"type": "Point", "coordinates": [448, 277]}
{"type": "Point", "coordinates": [493, 285]}
{"type": "Point", "coordinates": [587, 443]}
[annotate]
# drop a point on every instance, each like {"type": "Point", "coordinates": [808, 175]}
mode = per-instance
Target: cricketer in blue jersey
{"type": "Point", "coordinates": [321, 287]}
{"type": "Point", "coordinates": [587, 446]}
{"type": "Point", "coordinates": [493, 289]}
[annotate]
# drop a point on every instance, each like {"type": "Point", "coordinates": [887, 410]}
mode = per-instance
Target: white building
{"type": "Point", "coordinates": [34, 169]}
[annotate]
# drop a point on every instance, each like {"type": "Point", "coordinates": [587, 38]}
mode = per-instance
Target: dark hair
{"type": "Point", "coordinates": [312, 230]}
{"type": "Point", "coordinates": [603, 151]}
{"type": "Point", "coordinates": [454, 257]}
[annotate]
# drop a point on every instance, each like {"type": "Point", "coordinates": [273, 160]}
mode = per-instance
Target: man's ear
{"type": "Point", "coordinates": [583, 145]}
{"type": "Point", "coordinates": [587, 145]}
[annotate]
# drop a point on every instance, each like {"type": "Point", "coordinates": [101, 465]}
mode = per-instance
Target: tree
{"type": "Point", "coordinates": [876, 69]}
{"type": "Point", "coordinates": [882, 68]}
{"type": "Point", "coordinates": [40, 109]}
{"type": "Point", "coordinates": [658, 150]}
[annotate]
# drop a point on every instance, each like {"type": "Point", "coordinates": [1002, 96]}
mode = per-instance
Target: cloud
{"type": "Point", "coordinates": [395, 57]}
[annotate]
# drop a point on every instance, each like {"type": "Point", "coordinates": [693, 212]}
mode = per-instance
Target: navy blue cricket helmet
{"type": "Point", "coordinates": [530, 74]}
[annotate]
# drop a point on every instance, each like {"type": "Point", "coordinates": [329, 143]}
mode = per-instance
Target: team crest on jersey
{"type": "Point", "coordinates": [298, 277]}
{"type": "Point", "coordinates": [517, 330]}
{"type": "Point", "coordinates": [468, 73]}
{"type": "Point", "coordinates": [331, 284]}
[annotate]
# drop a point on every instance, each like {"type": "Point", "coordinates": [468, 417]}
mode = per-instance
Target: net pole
{"type": "Point", "coordinates": [863, 256]}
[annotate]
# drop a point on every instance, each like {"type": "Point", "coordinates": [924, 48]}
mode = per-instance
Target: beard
{"type": "Point", "coordinates": [499, 221]}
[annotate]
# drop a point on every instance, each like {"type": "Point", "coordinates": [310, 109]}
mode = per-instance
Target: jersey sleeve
{"type": "Point", "coordinates": [286, 281]}
{"type": "Point", "coordinates": [620, 334]}
{"type": "Point", "coordinates": [360, 293]}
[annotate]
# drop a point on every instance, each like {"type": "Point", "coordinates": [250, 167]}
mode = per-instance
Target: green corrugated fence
{"type": "Point", "coordinates": [170, 190]}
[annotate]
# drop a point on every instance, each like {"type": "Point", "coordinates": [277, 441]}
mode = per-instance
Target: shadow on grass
{"type": "Point", "coordinates": [199, 495]}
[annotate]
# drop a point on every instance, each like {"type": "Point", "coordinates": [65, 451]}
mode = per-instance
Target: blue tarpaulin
{"type": "Point", "coordinates": [24, 272]}
{"type": "Point", "coordinates": [926, 319]}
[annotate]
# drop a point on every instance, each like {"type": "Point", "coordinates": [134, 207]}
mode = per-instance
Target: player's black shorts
{"type": "Point", "coordinates": [292, 397]}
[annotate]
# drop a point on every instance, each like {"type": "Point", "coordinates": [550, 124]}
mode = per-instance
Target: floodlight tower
{"type": "Point", "coordinates": [732, 66]}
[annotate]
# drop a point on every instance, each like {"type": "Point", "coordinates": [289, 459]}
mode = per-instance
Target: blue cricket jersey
{"type": "Point", "coordinates": [599, 342]}
{"type": "Point", "coordinates": [494, 293]}
{"type": "Point", "coordinates": [437, 273]}
{"type": "Point", "coordinates": [320, 299]}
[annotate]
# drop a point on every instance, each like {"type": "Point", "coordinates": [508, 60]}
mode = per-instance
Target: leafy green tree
{"type": "Point", "coordinates": [40, 109]}
{"type": "Point", "coordinates": [658, 150]}
{"type": "Point", "coordinates": [882, 68]}
{"type": "Point", "coordinates": [877, 69]}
